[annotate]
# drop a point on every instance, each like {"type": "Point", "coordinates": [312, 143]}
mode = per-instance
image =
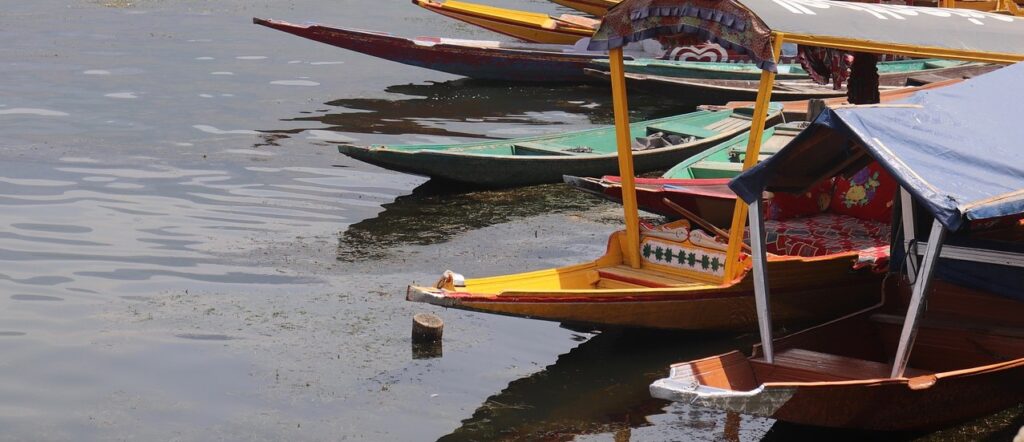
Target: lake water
{"type": "Point", "coordinates": [186, 256]}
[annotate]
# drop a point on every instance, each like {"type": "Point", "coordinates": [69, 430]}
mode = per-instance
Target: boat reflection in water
{"type": "Point", "coordinates": [437, 108]}
{"type": "Point", "coordinates": [600, 387]}
{"type": "Point", "coordinates": [434, 212]}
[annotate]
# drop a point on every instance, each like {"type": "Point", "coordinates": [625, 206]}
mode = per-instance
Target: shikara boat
{"type": "Point", "coordinates": [899, 366]}
{"type": "Point", "coordinates": [527, 26]}
{"type": "Point", "coordinates": [797, 110]}
{"type": "Point", "coordinates": [710, 91]}
{"type": "Point", "coordinates": [894, 71]}
{"type": "Point", "coordinates": [546, 158]}
{"type": "Point", "coordinates": [698, 183]}
{"type": "Point", "coordinates": [480, 59]}
{"type": "Point", "coordinates": [705, 70]}
{"type": "Point", "coordinates": [596, 8]}
{"type": "Point", "coordinates": [485, 59]}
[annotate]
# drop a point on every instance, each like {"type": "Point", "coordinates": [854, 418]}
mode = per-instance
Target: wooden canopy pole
{"type": "Point", "coordinates": [739, 213]}
{"type": "Point", "coordinates": [917, 298]}
{"type": "Point", "coordinates": [631, 250]}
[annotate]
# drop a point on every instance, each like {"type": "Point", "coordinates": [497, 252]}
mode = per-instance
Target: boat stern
{"type": "Point", "coordinates": [429, 295]}
{"type": "Point", "coordinates": [438, 293]}
{"type": "Point", "coordinates": [725, 382]}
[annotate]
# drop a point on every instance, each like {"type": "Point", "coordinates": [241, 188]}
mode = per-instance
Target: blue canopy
{"type": "Point", "coordinates": [958, 149]}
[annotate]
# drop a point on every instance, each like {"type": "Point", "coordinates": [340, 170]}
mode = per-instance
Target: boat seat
{"type": "Point", "coordinates": [951, 323]}
{"type": "Point", "coordinates": [681, 129]}
{"type": "Point", "coordinates": [645, 277]}
{"type": "Point", "coordinates": [528, 148]}
{"type": "Point", "coordinates": [719, 166]}
{"type": "Point", "coordinates": [924, 78]}
{"type": "Point", "coordinates": [799, 365]}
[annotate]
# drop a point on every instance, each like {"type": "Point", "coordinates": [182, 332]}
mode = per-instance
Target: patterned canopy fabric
{"type": "Point", "coordinates": [746, 26]}
{"type": "Point", "coordinates": [725, 22]}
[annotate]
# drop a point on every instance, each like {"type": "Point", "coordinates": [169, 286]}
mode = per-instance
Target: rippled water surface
{"type": "Point", "coordinates": [185, 255]}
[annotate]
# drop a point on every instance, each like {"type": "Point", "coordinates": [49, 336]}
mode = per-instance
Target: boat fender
{"type": "Point", "coordinates": [450, 279]}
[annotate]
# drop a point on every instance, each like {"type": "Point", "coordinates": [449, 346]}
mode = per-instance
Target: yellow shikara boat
{"type": "Point", "coordinates": [593, 7]}
{"type": "Point", "coordinates": [528, 26]}
{"type": "Point", "coordinates": [678, 285]}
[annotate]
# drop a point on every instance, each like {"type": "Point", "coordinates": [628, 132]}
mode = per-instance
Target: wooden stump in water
{"type": "Point", "coordinates": [427, 329]}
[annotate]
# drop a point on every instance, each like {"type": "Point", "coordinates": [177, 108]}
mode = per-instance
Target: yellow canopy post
{"type": "Point", "coordinates": [739, 213]}
{"type": "Point", "coordinates": [631, 250]}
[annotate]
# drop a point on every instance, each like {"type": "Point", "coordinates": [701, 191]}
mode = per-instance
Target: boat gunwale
{"type": "Point", "coordinates": [423, 149]}
{"type": "Point", "coordinates": [562, 27]}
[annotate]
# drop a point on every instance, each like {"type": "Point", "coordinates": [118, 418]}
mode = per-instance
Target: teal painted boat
{"type": "Point", "coordinates": [546, 158]}
{"type": "Point", "coordinates": [745, 71]}
{"type": "Point", "coordinates": [726, 159]}
{"type": "Point", "coordinates": [699, 183]}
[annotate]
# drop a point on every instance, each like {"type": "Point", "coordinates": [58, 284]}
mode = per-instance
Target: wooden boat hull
{"type": "Point", "coordinates": [710, 91]}
{"type": "Point", "coordinates": [710, 199]}
{"type": "Point", "coordinates": [532, 27]}
{"type": "Point", "coordinates": [877, 405]}
{"type": "Point", "coordinates": [549, 63]}
{"type": "Point", "coordinates": [711, 70]}
{"type": "Point", "coordinates": [795, 297]}
{"type": "Point", "coordinates": [797, 110]}
{"type": "Point", "coordinates": [593, 7]}
{"type": "Point", "coordinates": [978, 369]}
{"type": "Point", "coordinates": [509, 170]}
{"type": "Point", "coordinates": [460, 164]}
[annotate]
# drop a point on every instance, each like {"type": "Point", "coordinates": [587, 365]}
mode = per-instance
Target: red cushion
{"type": "Point", "coordinates": [783, 206]}
{"type": "Point", "coordinates": [867, 195]}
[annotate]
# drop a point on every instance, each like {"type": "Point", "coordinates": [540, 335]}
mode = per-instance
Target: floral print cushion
{"type": "Point", "coordinates": [828, 234]}
{"type": "Point", "coordinates": [867, 195]}
{"type": "Point", "coordinates": [782, 206]}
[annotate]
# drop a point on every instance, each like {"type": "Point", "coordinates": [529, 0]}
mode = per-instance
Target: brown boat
{"type": "Point", "coordinates": [694, 91]}
{"type": "Point", "coordinates": [936, 351]}
{"type": "Point", "coordinates": [968, 361]}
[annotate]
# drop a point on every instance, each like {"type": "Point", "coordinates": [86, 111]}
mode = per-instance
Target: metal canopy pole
{"type": "Point", "coordinates": [631, 251]}
{"type": "Point", "coordinates": [917, 298]}
{"type": "Point", "coordinates": [909, 235]}
{"type": "Point", "coordinates": [761, 294]}
{"type": "Point", "coordinates": [739, 216]}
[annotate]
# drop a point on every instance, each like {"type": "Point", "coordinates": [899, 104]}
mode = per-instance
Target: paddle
{"type": "Point", "coordinates": [700, 221]}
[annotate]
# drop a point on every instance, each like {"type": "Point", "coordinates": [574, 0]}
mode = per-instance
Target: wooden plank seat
{"type": "Point", "coordinates": [718, 166]}
{"type": "Point", "coordinates": [644, 278]}
{"type": "Point", "coordinates": [528, 148]}
{"type": "Point", "coordinates": [952, 323]}
{"type": "Point", "coordinates": [799, 365]}
{"type": "Point", "coordinates": [683, 130]}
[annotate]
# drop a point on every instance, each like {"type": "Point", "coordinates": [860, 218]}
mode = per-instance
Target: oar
{"type": "Point", "coordinates": [700, 221]}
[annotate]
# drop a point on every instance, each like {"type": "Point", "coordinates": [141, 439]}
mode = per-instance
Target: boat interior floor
{"type": "Point", "coordinates": [961, 330]}
{"type": "Point", "coordinates": [624, 276]}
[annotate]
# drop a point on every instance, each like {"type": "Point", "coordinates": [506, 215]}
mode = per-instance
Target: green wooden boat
{"type": "Point", "coordinates": [726, 159]}
{"type": "Point", "coordinates": [699, 183]}
{"type": "Point", "coordinates": [546, 158]}
{"type": "Point", "coordinates": [747, 71]}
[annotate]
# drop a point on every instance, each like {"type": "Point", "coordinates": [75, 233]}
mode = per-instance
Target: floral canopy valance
{"type": "Point", "coordinates": [747, 27]}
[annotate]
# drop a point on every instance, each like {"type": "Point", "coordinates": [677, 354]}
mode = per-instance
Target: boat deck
{"type": "Point", "coordinates": [623, 276]}
{"type": "Point", "coordinates": [799, 365]}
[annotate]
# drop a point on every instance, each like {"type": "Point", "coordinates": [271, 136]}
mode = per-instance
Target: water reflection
{"type": "Point", "coordinates": [601, 386]}
{"type": "Point", "coordinates": [434, 212]}
{"type": "Point", "coordinates": [460, 108]}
